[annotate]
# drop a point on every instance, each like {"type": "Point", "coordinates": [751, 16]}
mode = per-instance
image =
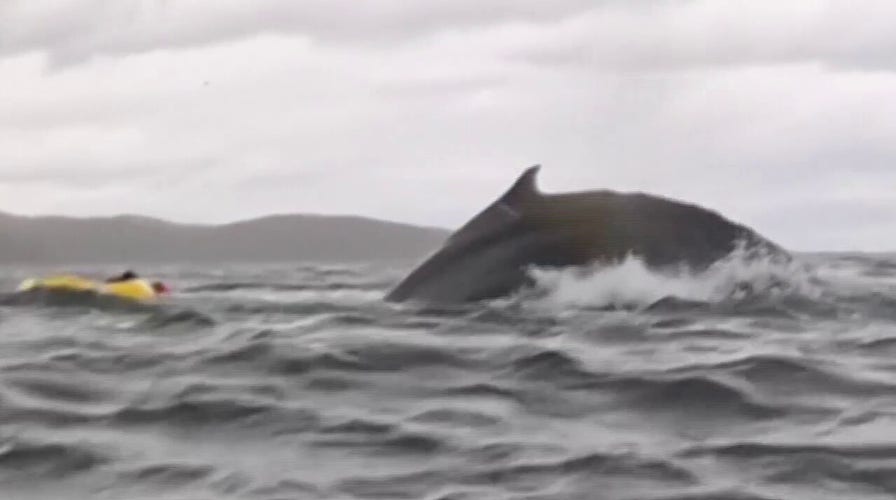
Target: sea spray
{"type": "Point", "coordinates": [630, 284]}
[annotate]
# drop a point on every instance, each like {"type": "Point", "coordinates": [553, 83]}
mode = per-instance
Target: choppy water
{"type": "Point", "coordinates": [296, 381]}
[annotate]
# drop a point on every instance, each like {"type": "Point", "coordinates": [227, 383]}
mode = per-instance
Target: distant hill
{"type": "Point", "coordinates": [53, 239]}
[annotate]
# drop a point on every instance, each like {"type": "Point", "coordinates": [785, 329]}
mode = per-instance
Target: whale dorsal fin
{"type": "Point", "coordinates": [505, 210]}
{"type": "Point", "coordinates": [524, 188]}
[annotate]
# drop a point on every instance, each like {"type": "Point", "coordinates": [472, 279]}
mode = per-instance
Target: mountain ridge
{"type": "Point", "coordinates": [274, 237]}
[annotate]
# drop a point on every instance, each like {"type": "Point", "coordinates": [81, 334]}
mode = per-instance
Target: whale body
{"type": "Point", "coordinates": [489, 256]}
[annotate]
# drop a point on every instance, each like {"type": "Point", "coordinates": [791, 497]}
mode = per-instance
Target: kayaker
{"type": "Point", "coordinates": [157, 286]}
{"type": "Point", "coordinates": [125, 276]}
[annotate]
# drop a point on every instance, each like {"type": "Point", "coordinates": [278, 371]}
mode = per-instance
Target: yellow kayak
{"type": "Point", "coordinates": [135, 289]}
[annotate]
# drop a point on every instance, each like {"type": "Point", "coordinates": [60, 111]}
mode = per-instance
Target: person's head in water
{"type": "Point", "coordinates": [160, 287]}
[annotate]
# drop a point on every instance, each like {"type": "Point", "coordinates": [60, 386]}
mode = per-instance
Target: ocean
{"type": "Point", "coordinates": [753, 380]}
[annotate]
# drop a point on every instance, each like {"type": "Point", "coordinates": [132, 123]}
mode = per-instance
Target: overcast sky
{"type": "Point", "coordinates": [781, 115]}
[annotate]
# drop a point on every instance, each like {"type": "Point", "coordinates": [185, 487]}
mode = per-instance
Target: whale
{"type": "Point", "coordinates": [492, 255]}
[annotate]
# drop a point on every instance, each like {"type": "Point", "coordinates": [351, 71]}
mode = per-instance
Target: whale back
{"type": "Point", "coordinates": [508, 210]}
{"type": "Point", "coordinates": [489, 255]}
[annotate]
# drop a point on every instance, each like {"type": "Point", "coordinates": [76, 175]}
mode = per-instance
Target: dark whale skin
{"type": "Point", "coordinates": [489, 256]}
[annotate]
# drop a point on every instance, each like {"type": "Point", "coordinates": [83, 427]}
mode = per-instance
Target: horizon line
{"type": "Point", "coordinates": [124, 215]}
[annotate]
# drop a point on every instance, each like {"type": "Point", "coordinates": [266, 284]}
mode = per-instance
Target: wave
{"type": "Point", "coordinates": [404, 443]}
{"type": "Point", "coordinates": [217, 412]}
{"type": "Point", "coordinates": [631, 284]}
{"type": "Point", "coordinates": [530, 477]}
{"type": "Point", "coordinates": [111, 362]}
{"type": "Point", "coordinates": [701, 396]}
{"type": "Point", "coordinates": [849, 466]}
{"type": "Point", "coordinates": [315, 306]}
{"type": "Point", "coordinates": [56, 388]}
{"type": "Point", "coordinates": [358, 426]}
{"type": "Point", "coordinates": [287, 489]}
{"type": "Point", "coordinates": [756, 450]}
{"type": "Point", "coordinates": [604, 464]}
{"type": "Point", "coordinates": [31, 414]}
{"type": "Point", "coordinates": [282, 287]}
{"type": "Point", "coordinates": [800, 376]}
{"type": "Point", "coordinates": [192, 413]}
{"type": "Point", "coordinates": [412, 485]}
{"type": "Point", "coordinates": [748, 381]}
{"type": "Point", "coordinates": [552, 366]}
{"type": "Point", "coordinates": [381, 356]}
{"type": "Point", "coordinates": [169, 474]}
{"type": "Point", "coordinates": [47, 461]}
{"type": "Point", "coordinates": [483, 389]}
{"type": "Point", "coordinates": [164, 318]}
{"type": "Point", "coordinates": [454, 417]}
{"type": "Point", "coordinates": [713, 494]}
{"type": "Point", "coordinates": [80, 299]}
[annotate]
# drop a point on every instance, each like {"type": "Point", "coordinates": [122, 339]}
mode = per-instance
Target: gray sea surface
{"type": "Point", "coordinates": [296, 381]}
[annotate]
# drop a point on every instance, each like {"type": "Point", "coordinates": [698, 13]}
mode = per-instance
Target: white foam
{"type": "Point", "coordinates": [630, 284]}
{"type": "Point", "coordinates": [852, 276]}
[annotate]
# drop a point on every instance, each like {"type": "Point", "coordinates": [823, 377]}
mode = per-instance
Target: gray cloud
{"type": "Point", "coordinates": [620, 35]}
{"type": "Point", "coordinates": [664, 36]}
{"type": "Point", "coordinates": [73, 30]}
{"type": "Point", "coordinates": [423, 112]}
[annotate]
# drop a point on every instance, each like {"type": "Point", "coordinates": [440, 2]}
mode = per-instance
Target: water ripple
{"type": "Point", "coordinates": [297, 381]}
